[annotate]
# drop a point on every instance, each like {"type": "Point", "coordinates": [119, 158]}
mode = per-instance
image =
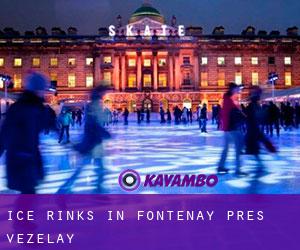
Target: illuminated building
{"type": "Point", "coordinates": [164, 68]}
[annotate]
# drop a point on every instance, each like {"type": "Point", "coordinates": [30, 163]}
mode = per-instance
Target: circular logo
{"type": "Point", "coordinates": [129, 180]}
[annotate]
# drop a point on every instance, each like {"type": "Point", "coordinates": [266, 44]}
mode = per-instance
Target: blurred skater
{"type": "Point", "coordinates": [232, 119]}
{"type": "Point", "coordinates": [19, 136]}
{"type": "Point", "coordinates": [95, 133]}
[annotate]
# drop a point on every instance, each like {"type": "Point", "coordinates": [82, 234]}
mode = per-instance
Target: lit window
{"type": "Point", "coordinates": [54, 62]}
{"type": "Point", "coordinates": [288, 78]}
{"type": "Point", "coordinates": [204, 79]}
{"type": "Point", "coordinates": [71, 61]}
{"type": "Point", "coordinates": [162, 80]}
{"type": "Point", "coordinates": [17, 81]}
{"type": "Point", "coordinates": [71, 80]}
{"type": "Point", "coordinates": [287, 61]}
{"type": "Point", "coordinates": [53, 76]}
{"type": "Point", "coordinates": [162, 62]}
{"type": "Point", "coordinates": [254, 60]}
{"type": "Point", "coordinates": [1, 62]}
{"type": "Point", "coordinates": [36, 62]}
{"type": "Point", "coordinates": [147, 80]}
{"type": "Point", "coordinates": [89, 80]}
{"type": "Point", "coordinates": [107, 60]}
{"type": "Point", "coordinates": [204, 61]}
{"type": "Point", "coordinates": [18, 62]}
{"type": "Point", "coordinates": [131, 62]}
{"type": "Point", "coordinates": [221, 78]}
{"type": "Point", "coordinates": [89, 61]}
{"type": "Point", "coordinates": [255, 78]}
{"type": "Point", "coordinates": [238, 78]}
{"type": "Point", "coordinates": [221, 60]}
{"type": "Point", "coordinates": [107, 78]}
{"type": "Point", "coordinates": [186, 60]}
{"type": "Point", "coordinates": [238, 60]}
{"type": "Point", "coordinates": [147, 62]}
{"type": "Point", "coordinates": [132, 80]}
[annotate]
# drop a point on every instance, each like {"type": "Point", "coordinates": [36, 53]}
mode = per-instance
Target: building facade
{"type": "Point", "coordinates": [147, 63]}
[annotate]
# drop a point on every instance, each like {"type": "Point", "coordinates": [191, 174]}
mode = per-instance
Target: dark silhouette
{"type": "Point", "coordinates": [203, 118]}
{"type": "Point", "coordinates": [138, 112]}
{"type": "Point", "coordinates": [169, 117]}
{"type": "Point", "coordinates": [162, 115]}
{"type": "Point", "coordinates": [126, 114]}
{"type": "Point", "coordinates": [148, 115]}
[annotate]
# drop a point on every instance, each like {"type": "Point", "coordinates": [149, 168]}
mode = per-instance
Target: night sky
{"type": "Point", "coordinates": [89, 15]}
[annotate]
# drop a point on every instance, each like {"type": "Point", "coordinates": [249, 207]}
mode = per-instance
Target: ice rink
{"type": "Point", "coordinates": [165, 149]}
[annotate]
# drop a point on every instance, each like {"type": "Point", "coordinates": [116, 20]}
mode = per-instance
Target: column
{"type": "Point", "coordinates": [123, 74]}
{"type": "Point", "coordinates": [196, 67]}
{"type": "Point", "coordinates": [139, 70]}
{"type": "Point", "coordinates": [97, 69]}
{"type": "Point", "coordinates": [116, 77]}
{"type": "Point", "coordinates": [155, 71]}
{"type": "Point", "coordinates": [177, 72]}
{"type": "Point", "coordinates": [171, 71]}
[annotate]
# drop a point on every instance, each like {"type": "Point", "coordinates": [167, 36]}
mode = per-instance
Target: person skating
{"type": "Point", "coordinates": [19, 136]}
{"type": "Point", "coordinates": [203, 118]}
{"type": "Point", "coordinates": [65, 120]}
{"type": "Point", "coordinates": [231, 120]}
{"type": "Point", "coordinates": [169, 117]}
{"type": "Point", "coordinates": [79, 115]}
{"type": "Point", "coordinates": [274, 118]}
{"type": "Point", "coordinates": [148, 115]}
{"type": "Point", "coordinates": [254, 135]}
{"type": "Point", "coordinates": [126, 114]}
{"type": "Point", "coordinates": [162, 115]}
{"type": "Point", "coordinates": [95, 133]}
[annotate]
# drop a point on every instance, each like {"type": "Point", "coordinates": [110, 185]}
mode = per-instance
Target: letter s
{"type": "Point", "coordinates": [112, 30]}
{"type": "Point", "coordinates": [260, 215]}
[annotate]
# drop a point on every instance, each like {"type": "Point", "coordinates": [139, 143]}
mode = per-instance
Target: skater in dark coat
{"type": "Point", "coordinates": [19, 136]}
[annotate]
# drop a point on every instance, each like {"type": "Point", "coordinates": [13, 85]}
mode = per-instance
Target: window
{"type": "Point", "coordinates": [54, 62]}
{"type": "Point", "coordinates": [89, 61]}
{"type": "Point", "coordinates": [186, 60]}
{"type": "Point", "coordinates": [53, 76]}
{"type": "Point", "coordinates": [132, 80]}
{"type": "Point", "coordinates": [17, 81]}
{"type": "Point", "coordinates": [288, 78]}
{"type": "Point", "coordinates": [238, 60]}
{"type": "Point", "coordinates": [271, 60]}
{"type": "Point", "coordinates": [255, 79]}
{"type": "Point", "coordinates": [131, 62]}
{"type": "Point", "coordinates": [147, 79]}
{"type": "Point", "coordinates": [147, 62]}
{"type": "Point", "coordinates": [221, 60]}
{"type": "Point", "coordinates": [107, 78]}
{"type": "Point", "coordinates": [18, 62]}
{"type": "Point", "coordinates": [162, 80]}
{"type": "Point", "coordinates": [254, 60]}
{"type": "Point", "coordinates": [204, 61]}
{"type": "Point", "coordinates": [162, 62]}
{"type": "Point", "coordinates": [36, 62]}
{"type": "Point", "coordinates": [221, 78]}
{"type": "Point", "coordinates": [1, 62]}
{"type": "Point", "coordinates": [89, 80]}
{"type": "Point", "coordinates": [71, 61]}
{"type": "Point", "coordinates": [204, 79]}
{"type": "Point", "coordinates": [238, 78]}
{"type": "Point", "coordinates": [71, 80]}
{"type": "Point", "coordinates": [107, 60]}
{"type": "Point", "coordinates": [187, 78]}
{"type": "Point", "coordinates": [287, 60]}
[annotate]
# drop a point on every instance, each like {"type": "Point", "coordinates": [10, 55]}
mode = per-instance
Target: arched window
{"type": "Point", "coordinates": [187, 103]}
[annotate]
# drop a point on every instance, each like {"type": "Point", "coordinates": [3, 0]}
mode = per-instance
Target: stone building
{"type": "Point", "coordinates": [148, 62]}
